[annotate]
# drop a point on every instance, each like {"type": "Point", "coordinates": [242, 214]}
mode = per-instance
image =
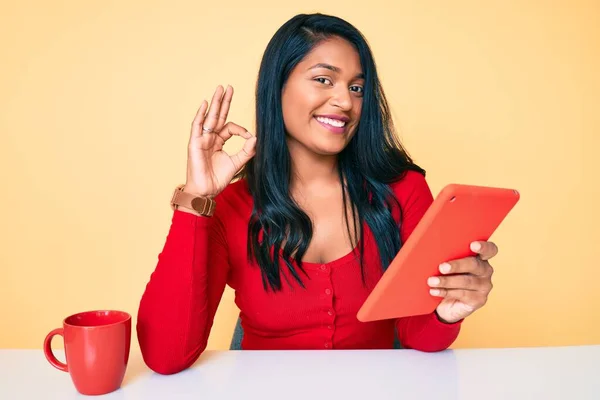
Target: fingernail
{"type": "Point", "coordinates": [476, 246]}
{"type": "Point", "coordinates": [444, 268]}
{"type": "Point", "coordinates": [434, 292]}
{"type": "Point", "coordinates": [433, 281]}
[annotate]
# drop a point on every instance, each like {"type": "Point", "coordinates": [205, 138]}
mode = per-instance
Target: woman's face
{"type": "Point", "coordinates": [322, 98]}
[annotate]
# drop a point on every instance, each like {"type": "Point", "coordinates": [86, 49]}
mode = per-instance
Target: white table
{"type": "Point", "coordinates": [524, 373]}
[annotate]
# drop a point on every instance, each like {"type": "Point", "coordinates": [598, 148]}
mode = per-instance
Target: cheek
{"type": "Point", "coordinates": [356, 113]}
{"type": "Point", "coordinates": [298, 108]}
{"type": "Point", "coordinates": [357, 107]}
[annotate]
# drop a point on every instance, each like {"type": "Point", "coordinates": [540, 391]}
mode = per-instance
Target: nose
{"type": "Point", "coordinates": [341, 98]}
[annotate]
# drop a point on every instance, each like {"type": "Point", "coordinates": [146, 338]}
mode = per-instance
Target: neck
{"type": "Point", "coordinates": [310, 169]}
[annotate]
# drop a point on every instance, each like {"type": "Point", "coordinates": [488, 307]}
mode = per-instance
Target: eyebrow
{"type": "Point", "coordinates": [335, 69]}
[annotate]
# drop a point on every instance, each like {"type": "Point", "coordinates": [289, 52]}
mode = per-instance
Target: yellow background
{"type": "Point", "coordinates": [97, 98]}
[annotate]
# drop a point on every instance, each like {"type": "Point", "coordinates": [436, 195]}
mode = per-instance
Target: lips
{"type": "Point", "coordinates": [334, 117]}
{"type": "Point", "coordinates": [331, 124]}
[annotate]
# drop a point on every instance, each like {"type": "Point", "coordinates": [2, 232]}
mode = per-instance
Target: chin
{"type": "Point", "coordinates": [331, 147]}
{"type": "Point", "coordinates": [328, 150]}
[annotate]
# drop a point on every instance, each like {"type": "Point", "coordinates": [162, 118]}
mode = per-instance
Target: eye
{"type": "Point", "coordinates": [322, 80]}
{"type": "Point", "coordinates": [357, 89]}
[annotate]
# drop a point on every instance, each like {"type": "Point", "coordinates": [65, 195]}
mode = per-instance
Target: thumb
{"type": "Point", "coordinates": [246, 153]}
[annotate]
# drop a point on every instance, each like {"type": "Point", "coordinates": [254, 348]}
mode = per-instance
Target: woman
{"type": "Point", "coordinates": [301, 222]}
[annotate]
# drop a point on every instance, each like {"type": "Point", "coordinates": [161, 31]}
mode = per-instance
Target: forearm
{"type": "Point", "coordinates": [173, 314]}
{"type": "Point", "coordinates": [426, 332]}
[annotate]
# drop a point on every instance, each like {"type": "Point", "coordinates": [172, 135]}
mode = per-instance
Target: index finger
{"type": "Point", "coordinates": [486, 250]}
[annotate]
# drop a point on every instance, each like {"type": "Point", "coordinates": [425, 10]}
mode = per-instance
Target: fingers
{"type": "Point", "coordinates": [198, 120]}
{"type": "Point", "coordinates": [225, 105]}
{"type": "Point", "coordinates": [469, 265]}
{"type": "Point", "coordinates": [486, 250]}
{"type": "Point", "coordinates": [472, 300]}
{"type": "Point", "coordinates": [245, 154]}
{"type": "Point", "coordinates": [248, 150]}
{"type": "Point", "coordinates": [213, 113]}
{"type": "Point", "coordinates": [462, 281]}
{"type": "Point", "coordinates": [231, 129]}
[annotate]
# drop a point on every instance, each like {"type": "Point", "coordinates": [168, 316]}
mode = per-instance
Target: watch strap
{"type": "Point", "coordinates": [203, 205]}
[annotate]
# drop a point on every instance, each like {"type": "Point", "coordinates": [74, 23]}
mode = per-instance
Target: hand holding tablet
{"type": "Point", "coordinates": [459, 216]}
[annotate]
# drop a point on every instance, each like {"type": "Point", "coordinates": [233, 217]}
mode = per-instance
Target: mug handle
{"type": "Point", "coordinates": [48, 351]}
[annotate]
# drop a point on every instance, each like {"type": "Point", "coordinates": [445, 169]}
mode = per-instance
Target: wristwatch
{"type": "Point", "coordinates": [203, 205]}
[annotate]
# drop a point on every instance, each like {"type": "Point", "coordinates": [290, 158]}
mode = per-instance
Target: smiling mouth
{"type": "Point", "coordinates": [336, 123]}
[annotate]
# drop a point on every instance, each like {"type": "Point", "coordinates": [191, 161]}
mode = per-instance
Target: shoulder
{"type": "Point", "coordinates": [414, 198]}
{"type": "Point", "coordinates": [411, 186]}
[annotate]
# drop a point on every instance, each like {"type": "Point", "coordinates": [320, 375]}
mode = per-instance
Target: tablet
{"type": "Point", "coordinates": [459, 215]}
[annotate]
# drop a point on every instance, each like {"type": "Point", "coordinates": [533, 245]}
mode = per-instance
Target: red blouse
{"type": "Point", "coordinates": [203, 254]}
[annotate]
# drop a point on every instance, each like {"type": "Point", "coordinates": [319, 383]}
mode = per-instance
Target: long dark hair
{"type": "Point", "coordinates": [372, 160]}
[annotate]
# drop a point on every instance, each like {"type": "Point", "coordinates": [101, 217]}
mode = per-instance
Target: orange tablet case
{"type": "Point", "coordinates": [459, 215]}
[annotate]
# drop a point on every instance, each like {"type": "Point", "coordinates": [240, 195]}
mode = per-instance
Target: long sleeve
{"type": "Point", "coordinates": [421, 332]}
{"type": "Point", "coordinates": [178, 306]}
{"type": "Point", "coordinates": [426, 332]}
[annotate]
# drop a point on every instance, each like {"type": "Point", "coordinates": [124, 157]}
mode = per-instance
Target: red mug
{"type": "Point", "coordinates": [96, 349]}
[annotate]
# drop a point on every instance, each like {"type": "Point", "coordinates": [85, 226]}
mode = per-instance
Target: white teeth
{"type": "Point", "coordinates": [332, 122]}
